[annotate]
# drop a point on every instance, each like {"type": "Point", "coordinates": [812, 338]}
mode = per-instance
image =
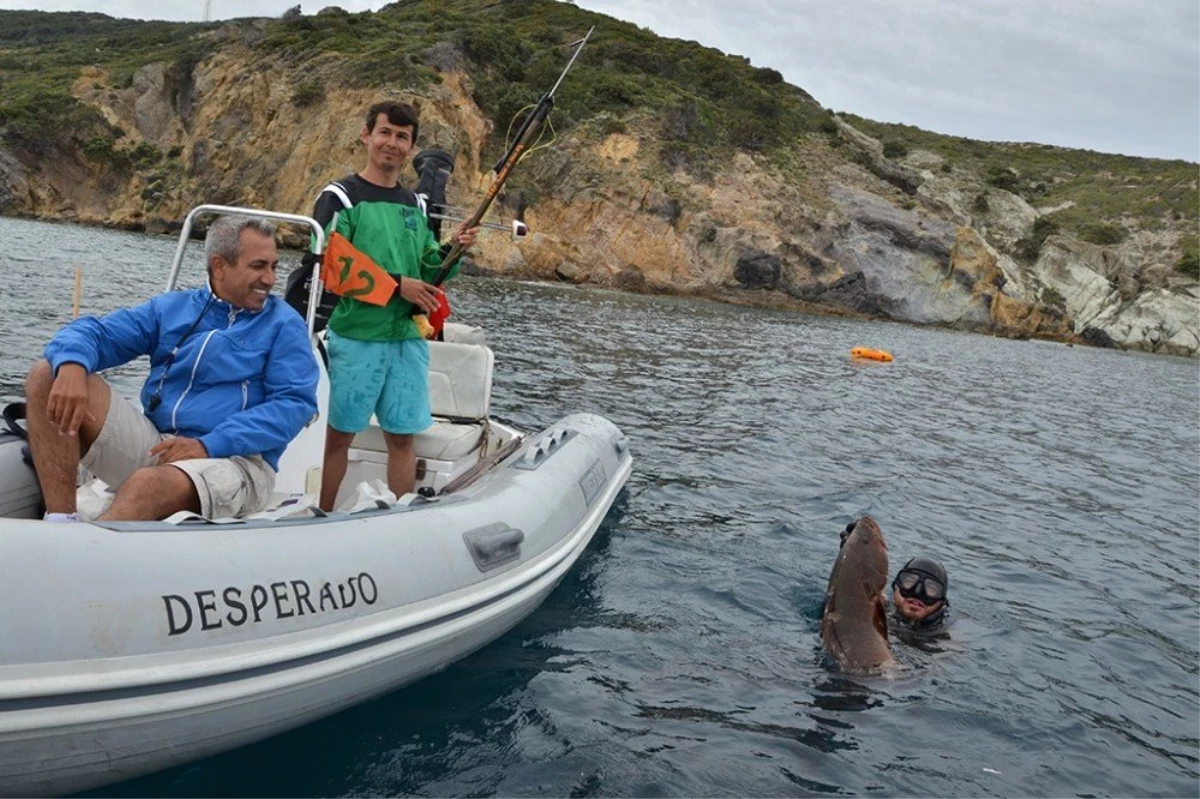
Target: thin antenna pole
{"type": "Point", "coordinates": [208, 10]}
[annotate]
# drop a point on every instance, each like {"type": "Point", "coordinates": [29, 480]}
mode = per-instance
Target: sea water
{"type": "Point", "coordinates": [1059, 485]}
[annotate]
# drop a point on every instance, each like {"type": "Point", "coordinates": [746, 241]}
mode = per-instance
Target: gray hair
{"type": "Point", "coordinates": [225, 236]}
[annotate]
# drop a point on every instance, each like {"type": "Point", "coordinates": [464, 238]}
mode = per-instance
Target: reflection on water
{"type": "Point", "coordinates": [681, 656]}
{"type": "Point", "coordinates": [842, 695]}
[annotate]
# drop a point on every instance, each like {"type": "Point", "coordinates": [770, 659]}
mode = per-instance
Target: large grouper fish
{"type": "Point", "coordinates": [854, 627]}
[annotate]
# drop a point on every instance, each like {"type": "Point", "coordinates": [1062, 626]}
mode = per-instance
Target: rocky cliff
{"type": "Point", "coordinates": [840, 227]}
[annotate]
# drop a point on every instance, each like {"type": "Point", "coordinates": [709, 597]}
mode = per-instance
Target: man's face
{"type": "Point", "coordinates": [912, 608]}
{"type": "Point", "coordinates": [248, 283]}
{"type": "Point", "coordinates": [388, 145]}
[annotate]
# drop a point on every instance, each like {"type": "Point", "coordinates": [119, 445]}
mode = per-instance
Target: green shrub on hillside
{"type": "Point", "coordinates": [1189, 265]}
{"type": "Point", "coordinates": [1003, 178]}
{"type": "Point", "coordinates": [1030, 247]}
{"type": "Point", "coordinates": [695, 160]}
{"type": "Point", "coordinates": [498, 48]}
{"type": "Point", "coordinates": [308, 93]}
{"type": "Point", "coordinates": [145, 155]}
{"type": "Point", "coordinates": [768, 77]}
{"type": "Point", "coordinates": [610, 125]}
{"type": "Point", "coordinates": [1102, 233]}
{"type": "Point", "coordinates": [1043, 227]}
{"type": "Point", "coordinates": [103, 150]}
{"type": "Point", "coordinates": [1052, 296]}
{"type": "Point", "coordinates": [41, 121]}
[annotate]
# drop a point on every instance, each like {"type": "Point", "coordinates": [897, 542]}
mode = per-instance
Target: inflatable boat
{"type": "Point", "coordinates": [128, 647]}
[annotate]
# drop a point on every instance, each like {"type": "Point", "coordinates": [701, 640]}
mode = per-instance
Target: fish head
{"type": "Point", "coordinates": [866, 550]}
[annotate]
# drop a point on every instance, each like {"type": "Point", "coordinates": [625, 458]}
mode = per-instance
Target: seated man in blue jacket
{"type": "Point", "coordinates": [232, 381]}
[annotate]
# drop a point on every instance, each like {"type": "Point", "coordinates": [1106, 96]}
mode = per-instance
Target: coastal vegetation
{"type": "Point", "coordinates": [41, 55]}
{"type": "Point", "coordinates": [1097, 197]}
{"type": "Point", "coordinates": [691, 106]}
{"type": "Point", "coordinates": [700, 104]}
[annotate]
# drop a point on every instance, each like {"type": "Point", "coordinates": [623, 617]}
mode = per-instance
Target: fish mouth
{"type": "Point", "coordinates": [868, 530]}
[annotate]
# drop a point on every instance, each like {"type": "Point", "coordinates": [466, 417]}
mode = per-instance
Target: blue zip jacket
{"type": "Point", "coordinates": [242, 382]}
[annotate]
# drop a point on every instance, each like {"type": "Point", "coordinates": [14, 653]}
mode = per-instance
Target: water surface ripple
{"type": "Point", "coordinates": [681, 657]}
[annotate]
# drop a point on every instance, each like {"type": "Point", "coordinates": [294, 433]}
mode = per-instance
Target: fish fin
{"type": "Point", "coordinates": [830, 639]}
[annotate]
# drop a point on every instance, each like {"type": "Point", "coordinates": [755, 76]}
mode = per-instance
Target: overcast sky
{"type": "Point", "coordinates": [1117, 76]}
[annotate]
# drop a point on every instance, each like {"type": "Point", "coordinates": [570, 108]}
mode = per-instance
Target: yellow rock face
{"type": "Point", "coordinates": [1014, 316]}
{"type": "Point", "coordinates": [233, 135]}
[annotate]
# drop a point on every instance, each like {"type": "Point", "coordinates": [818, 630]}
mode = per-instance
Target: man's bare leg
{"type": "Point", "coordinates": [55, 454]}
{"type": "Point", "coordinates": [337, 458]}
{"type": "Point", "coordinates": [401, 463]}
{"type": "Point", "coordinates": [153, 492]}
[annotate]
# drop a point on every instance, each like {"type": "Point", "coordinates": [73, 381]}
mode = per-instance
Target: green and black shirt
{"type": "Point", "coordinates": [389, 225]}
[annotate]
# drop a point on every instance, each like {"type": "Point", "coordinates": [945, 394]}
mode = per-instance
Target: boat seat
{"type": "Point", "coordinates": [300, 465]}
{"type": "Point", "coordinates": [460, 394]}
{"type": "Point", "coordinates": [463, 334]}
{"type": "Point", "coordinates": [444, 441]}
{"type": "Point", "coordinates": [460, 380]}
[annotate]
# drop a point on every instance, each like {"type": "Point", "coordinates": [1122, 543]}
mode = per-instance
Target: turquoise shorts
{"type": "Point", "coordinates": [387, 378]}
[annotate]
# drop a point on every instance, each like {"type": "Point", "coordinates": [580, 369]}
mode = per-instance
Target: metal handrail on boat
{"type": "Point", "coordinates": [318, 232]}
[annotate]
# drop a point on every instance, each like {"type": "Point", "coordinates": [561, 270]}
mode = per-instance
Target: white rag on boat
{"type": "Point", "coordinates": [94, 497]}
{"type": "Point", "coordinates": [371, 495]}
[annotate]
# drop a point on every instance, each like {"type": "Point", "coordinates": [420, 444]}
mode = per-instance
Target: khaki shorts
{"type": "Point", "coordinates": [227, 487]}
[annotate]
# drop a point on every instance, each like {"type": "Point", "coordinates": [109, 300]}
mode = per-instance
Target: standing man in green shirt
{"type": "Point", "coordinates": [378, 360]}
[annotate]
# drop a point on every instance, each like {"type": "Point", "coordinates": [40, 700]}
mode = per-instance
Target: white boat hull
{"type": "Point", "coordinates": [131, 647]}
{"type": "Point", "coordinates": [20, 496]}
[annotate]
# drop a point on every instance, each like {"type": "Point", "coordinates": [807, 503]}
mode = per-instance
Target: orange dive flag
{"type": "Point", "coordinates": [350, 272]}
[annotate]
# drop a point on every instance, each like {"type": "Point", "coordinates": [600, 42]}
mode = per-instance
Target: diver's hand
{"type": "Point", "coordinates": [67, 405]}
{"type": "Point", "coordinates": [170, 450]}
{"type": "Point", "coordinates": [421, 294]}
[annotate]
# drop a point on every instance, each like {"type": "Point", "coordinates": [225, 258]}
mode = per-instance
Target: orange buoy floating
{"type": "Point", "coordinates": [870, 354]}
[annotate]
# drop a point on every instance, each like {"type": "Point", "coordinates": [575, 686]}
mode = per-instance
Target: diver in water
{"type": "Point", "coordinates": [919, 601]}
{"type": "Point", "coordinates": [919, 594]}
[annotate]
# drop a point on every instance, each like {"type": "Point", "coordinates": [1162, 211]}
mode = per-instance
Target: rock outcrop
{"type": "Point", "coordinates": [1102, 291]}
{"type": "Point", "coordinates": [855, 232]}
